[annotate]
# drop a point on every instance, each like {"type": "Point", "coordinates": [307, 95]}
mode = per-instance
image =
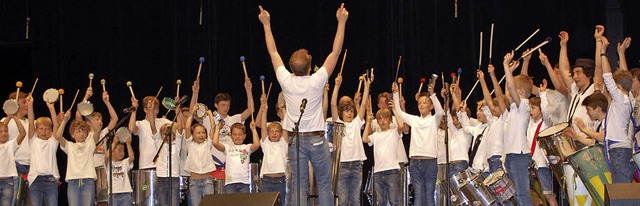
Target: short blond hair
{"type": "Point", "coordinates": [46, 121]}
{"type": "Point", "coordinates": [525, 83]}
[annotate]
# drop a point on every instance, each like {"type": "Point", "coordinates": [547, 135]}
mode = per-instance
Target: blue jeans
{"type": "Point", "coordinates": [349, 182]}
{"type": "Point", "coordinates": [518, 170]}
{"type": "Point", "coordinates": [81, 192]}
{"type": "Point", "coordinates": [44, 190]}
{"type": "Point", "coordinates": [275, 184]}
{"type": "Point", "coordinates": [6, 190]}
{"type": "Point", "coordinates": [200, 187]}
{"type": "Point", "coordinates": [316, 150]}
{"type": "Point", "coordinates": [457, 167]}
{"type": "Point", "coordinates": [163, 193]}
{"type": "Point", "coordinates": [236, 188]}
{"type": "Point", "coordinates": [545, 179]}
{"type": "Point", "coordinates": [122, 199]}
{"type": "Point", "coordinates": [386, 187]}
{"type": "Point", "coordinates": [494, 163]}
{"type": "Point", "coordinates": [621, 167]}
{"type": "Point", "coordinates": [423, 177]}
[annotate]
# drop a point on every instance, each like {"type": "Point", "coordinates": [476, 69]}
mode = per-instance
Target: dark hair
{"type": "Point", "coordinates": [221, 97]}
{"type": "Point", "coordinates": [597, 99]}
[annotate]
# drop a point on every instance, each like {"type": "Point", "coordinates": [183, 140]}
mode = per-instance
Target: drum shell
{"type": "Point", "coordinates": [10, 106]}
{"type": "Point", "coordinates": [500, 185]}
{"type": "Point", "coordinates": [218, 176]}
{"type": "Point", "coordinates": [590, 164]}
{"type": "Point", "coordinates": [476, 192]}
{"type": "Point", "coordinates": [576, 190]}
{"type": "Point", "coordinates": [556, 148]}
{"type": "Point", "coordinates": [456, 197]}
{"type": "Point", "coordinates": [102, 185]}
{"type": "Point", "coordinates": [255, 185]}
{"type": "Point", "coordinates": [144, 187]}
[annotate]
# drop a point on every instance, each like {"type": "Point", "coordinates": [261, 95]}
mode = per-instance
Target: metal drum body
{"type": "Point", "coordinates": [556, 148]}
{"type": "Point", "coordinates": [333, 132]}
{"type": "Point", "coordinates": [102, 185]}
{"type": "Point", "coordinates": [144, 187]}
{"type": "Point", "coordinates": [476, 192]}
{"type": "Point", "coordinates": [219, 178]}
{"type": "Point", "coordinates": [500, 185]}
{"type": "Point", "coordinates": [441, 196]}
{"type": "Point", "coordinates": [183, 181]}
{"type": "Point", "coordinates": [577, 193]}
{"type": "Point", "coordinates": [590, 164]}
{"type": "Point", "coordinates": [255, 185]}
{"type": "Point", "coordinates": [368, 189]}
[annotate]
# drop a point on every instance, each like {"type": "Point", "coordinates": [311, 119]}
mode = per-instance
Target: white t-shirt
{"type": "Point", "coordinates": [402, 153]}
{"type": "Point", "coordinates": [22, 156]}
{"type": "Point", "coordinates": [184, 152]}
{"type": "Point", "coordinates": [80, 159]}
{"type": "Point", "coordinates": [98, 155]}
{"type": "Point", "coordinates": [43, 158]}
{"type": "Point", "coordinates": [8, 162]}
{"type": "Point", "coordinates": [538, 156]}
{"type": "Point", "coordinates": [385, 148]}
{"type": "Point", "coordinates": [618, 116]}
{"type": "Point", "coordinates": [352, 148]}
{"type": "Point", "coordinates": [479, 162]}
{"type": "Point", "coordinates": [424, 130]}
{"type": "Point", "coordinates": [496, 136]}
{"type": "Point", "coordinates": [237, 167]}
{"type": "Point", "coordinates": [274, 160]}
{"type": "Point", "coordinates": [199, 157]}
{"type": "Point", "coordinates": [297, 88]}
{"type": "Point", "coordinates": [442, 150]}
{"type": "Point", "coordinates": [162, 164]}
{"type": "Point", "coordinates": [459, 142]}
{"type": "Point", "coordinates": [121, 170]}
{"type": "Point", "coordinates": [148, 145]}
{"type": "Point", "coordinates": [516, 140]}
{"type": "Point", "coordinates": [225, 133]}
{"type": "Point", "coordinates": [577, 111]}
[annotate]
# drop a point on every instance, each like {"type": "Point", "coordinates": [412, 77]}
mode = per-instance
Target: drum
{"type": "Point", "coordinates": [577, 193]}
{"type": "Point", "coordinates": [10, 106]}
{"type": "Point", "coordinates": [169, 103]}
{"type": "Point", "coordinates": [476, 192]}
{"type": "Point", "coordinates": [555, 145]}
{"type": "Point", "coordinates": [441, 184]}
{"type": "Point", "coordinates": [535, 188]}
{"type": "Point", "coordinates": [123, 134]}
{"type": "Point", "coordinates": [219, 177]}
{"type": "Point", "coordinates": [21, 196]}
{"type": "Point", "coordinates": [184, 188]}
{"type": "Point", "coordinates": [333, 132]}
{"type": "Point", "coordinates": [636, 158]}
{"type": "Point", "coordinates": [144, 187]}
{"type": "Point", "coordinates": [255, 185]}
{"type": "Point", "coordinates": [590, 164]}
{"type": "Point", "coordinates": [50, 95]}
{"type": "Point", "coordinates": [102, 185]}
{"type": "Point", "coordinates": [368, 189]}
{"type": "Point", "coordinates": [85, 108]}
{"type": "Point", "coordinates": [405, 181]}
{"type": "Point", "coordinates": [202, 110]}
{"type": "Point", "coordinates": [500, 185]}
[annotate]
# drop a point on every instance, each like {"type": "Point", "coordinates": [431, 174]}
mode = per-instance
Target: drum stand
{"type": "Point", "coordinates": [109, 138]}
{"type": "Point", "coordinates": [297, 138]}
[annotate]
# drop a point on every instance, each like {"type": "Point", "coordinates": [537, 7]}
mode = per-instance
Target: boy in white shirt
{"type": "Point", "coordinates": [22, 155]}
{"type": "Point", "coordinates": [8, 148]}
{"type": "Point", "coordinates": [540, 121]}
{"type": "Point", "coordinates": [81, 174]}
{"type": "Point", "coordinates": [199, 162]}
{"type": "Point", "coordinates": [122, 191]}
{"type": "Point", "coordinates": [597, 106]}
{"type": "Point", "coordinates": [274, 160]}
{"type": "Point", "coordinates": [352, 150]}
{"type": "Point", "coordinates": [146, 129]}
{"type": "Point", "coordinates": [237, 166]}
{"type": "Point", "coordinates": [162, 164]}
{"type": "Point", "coordinates": [386, 171]}
{"type": "Point", "coordinates": [423, 149]}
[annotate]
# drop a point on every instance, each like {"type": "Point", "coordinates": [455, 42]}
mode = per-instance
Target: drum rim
{"type": "Point", "coordinates": [566, 125]}
{"type": "Point", "coordinates": [493, 178]}
{"type": "Point", "coordinates": [13, 105]}
{"type": "Point", "coordinates": [48, 91]}
{"type": "Point", "coordinates": [81, 108]}
{"type": "Point", "coordinates": [568, 157]}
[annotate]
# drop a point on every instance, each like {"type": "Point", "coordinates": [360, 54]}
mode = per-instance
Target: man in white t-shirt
{"type": "Point", "coordinates": [146, 130]}
{"type": "Point", "coordinates": [300, 87]}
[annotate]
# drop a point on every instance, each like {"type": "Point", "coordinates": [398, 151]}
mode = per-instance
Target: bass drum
{"type": "Point", "coordinates": [577, 193]}
{"type": "Point", "coordinates": [144, 187]}
{"type": "Point", "coordinates": [102, 185]}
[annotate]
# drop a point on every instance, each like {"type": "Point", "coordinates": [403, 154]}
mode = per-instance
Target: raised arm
{"type": "Point", "coordinates": [86, 97]}
{"type": "Point", "coordinates": [195, 88]}
{"type": "Point", "coordinates": [367, 128]}
{"type": "Point", "coordinates": [263, 103]}
{"type": "Point", "coordinates": [330, 63]}
{"type": "Point", "coordinates": [58, 134]}
{"type": "Point", "coordinates": [488, 100]}
{"type": "Point", "coordinates": [509, 76]}
{"type": "Point", "coordinates": [401, 126]}
{"type": "Point", "coordinates": [31, 117]}
{"type": "Point", "coordinates": [265, 18]}
{"type": "Point", "coordinates": [216, 135]}
{"type": "Point", "coordinates": [563, 63]}
{"type": "Point", "coordinates": [189, 121]}
{"type": "Point", "coordinates": [622, 48]}
{"type": "Point", "coordinates": [365, 98]}
{"type": "Point", "coordinates": [179, 120]}
{"type": "Point", "coordinates": [113, 116]}
{"type": "Point", "coordinates": [456, 95]}
{"type": "Point", "coordinates": [132, 120]}
{"type": "Point", "coordinates": [502, 103]}
{"type": "Point", "coordinates": [544, 104]}
{"type": "Point", "coordinates": [325, 101]}
{"type": "Point", "coordinates": [555, 80]}
{"type": "Point", "coordinates": [96, 129]}
{"type": "Point", "coordinates": [262, 119]}
{"type": "Point", "coordinates": [132, 156]}
{"type": "Point", "coordinates": [250, 106]}
{"type": "Point", "coordinates": [334, 99]}
{"type": "Point", "coordinates": [525, 63]}
{"type": "Point", "coordinates": [598, 35]}
{"type": "Point", "coordinates": [255, 145]}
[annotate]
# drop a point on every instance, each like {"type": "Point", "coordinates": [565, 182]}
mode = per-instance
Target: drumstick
{"type": "Point", "coordinates": [244, 67]}
{"type": "Point", "coordinates": [491, 44]}
{"type": "Point", "coordinates": [262, 82]}
{"type": "Point", "coordinates": [480, 57]}
{"type": "Point", "coordinates": [422, 81]}
{"type": "Point", "coordinates": [400, 81]}
{"type": "Point", "coordinates": [158, 94]}
{"type": "Point", "coordinates": [103, 82]}
{"type": "Point", "coordinates": [60, 92]}
{"type": "Point", "coordinates": [18, 85]}
{"type": "Point", "coordinates": [178, 82]}
{"type": "Point", "coordinates": [34, 86]}
{"type": "Point", "coordinates": [200, 67]}
{"type": "Point", "coordinates": [344, 57]}
{"type": "Point", "coordinates": [74, 100]}
{"type": "Point", "coordinates": [269, 91]}
{"type": "Point", "coordinates": [361, 78]}
{"type": "Point", "coordinates": [459, 75]}
{"type": "Point", "coordinates": [131, 89]}
{"type": "Point", "coordinates": [442, 75]}
{"type": "Point", "coordinates": [90, 79]}
{"type": "Point", "coordinates": [398, 67]}
{"type": "Point", "coordinates": [525, 41]}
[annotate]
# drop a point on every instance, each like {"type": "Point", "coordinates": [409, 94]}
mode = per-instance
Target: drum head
{"type": "Point", "coordinates": [10, 106]}
{"type": "Point", "coordinates": [169, 103]}
{"type": "Point", "coordinates": [50, 95]}
{"type": "Point", "coordinates": [202, 110]}
{"type": "Point", "coordinates": [553, 129]}
{"type": "Point", "coordinates": [123, 134]}
{"type": "Point", "coordinates": [85, 108]}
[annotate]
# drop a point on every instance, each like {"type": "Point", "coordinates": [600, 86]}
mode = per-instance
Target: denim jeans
{"type": "Point", "coordinates": [386, 187]}
{"type": "Point", "coordinates": [200, 187]}
{"type": "Point", "coordinates": [423, 177]}
{"type": "Point", "coordinates": [122, 199]}
{"type": "Point", "coordinates": [494, 163]}
{"type": "Point", "coordinates": [163, 193]}
{"type": "Point", "coordinates": [545, 179]}
{"type": "Point", "coordinates": [236, 188]}
{"type": "Point", "coordinates": [621, 167]}
{"type": "Point", "coordinates": [518, 170]}
{"type": "Point", "coordinates": [316, 150]}
{"type": "Point", "coordinates": [275, 184]}
{"type": "Point", "coordinates": [44, 190]}
{"type": "Point", "coordinates": [81, 192]}
{"type": "Point", "coordinates": [22, 169]}
{"type": "Point", "coordinates": [349, 182]}
{"type": "Point", "coordinates": [457, 167]}
{"type": "Point", "coordinates": [6, 190]}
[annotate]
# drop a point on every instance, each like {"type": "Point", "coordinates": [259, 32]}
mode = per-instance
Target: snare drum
{"type": "Point", "coordinates": [102, 185]}
{"type": "Point", "coordinates": [219, 177]}
{"type": "Point", "coordinates": [577, 193]}
{"type": "Point", "coordinates": [441, 184]}
{"type": "Point", "coordinates": [144, 187]}
{"type": "Point", "coordinates": [500, 185]}
{"type": "Point", "coordinates": [476, 192]}
{"type": "Point", "coordinates": [589, 163]}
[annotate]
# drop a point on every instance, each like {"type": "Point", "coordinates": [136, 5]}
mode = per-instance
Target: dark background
{"type": "Point", "coordinates": [153, 43]}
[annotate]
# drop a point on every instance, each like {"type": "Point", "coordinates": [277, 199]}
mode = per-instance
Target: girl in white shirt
{"type": "Point", "coordinates": [199, 162]}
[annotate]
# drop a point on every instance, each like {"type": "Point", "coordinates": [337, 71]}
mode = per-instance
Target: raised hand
{"type": "Point", "coordinates": [342, 14]}
{"type": "Point", "coordinates": [195, 87]}
{"type": "Point", "coordinates": [134, 102]}
{"type": "Point", "coordinates": [605, 44]}
{"type": "Point", "coordinates": [491, 69]}
{"type": "Point", "coordinates": [88, 94]}
{"type": "Point", "coordinates": [528, 57]}
{"type": "Point", "coordinates": [564, 38]}
{"type": "Point", "coordinates": [599, 32]}
{"type": "Point", "coordinates": [543, 86]}
{"type": "Point", "coordinates": [338, 80]}
{"type": "Point", "coordinates": [622, 47]}
{"type": "Point", "coordinates": [264, 16]}
{"type": "Point", "coordinates": [394, 87]}
{"type": "Point", "coordinates": [544, 60]}
{"type": "Point", "coordinates": [105, 96]}
{"type": "Point", "coordinates": [480, 74]}
{"type": "Point", "coordinates": [247, 84]}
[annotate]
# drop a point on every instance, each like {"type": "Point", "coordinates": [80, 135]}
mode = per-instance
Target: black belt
{"type": "Point", "coordinates": [309, 134]}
